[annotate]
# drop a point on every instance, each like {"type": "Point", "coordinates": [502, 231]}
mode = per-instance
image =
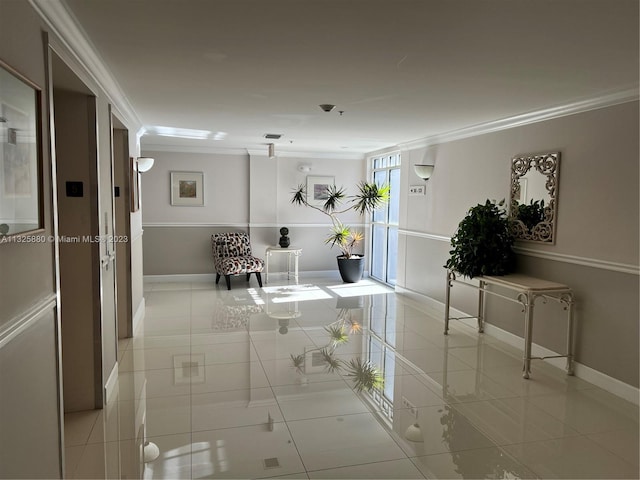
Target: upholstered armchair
{"type": "Point", "coordinates": [232, 256]}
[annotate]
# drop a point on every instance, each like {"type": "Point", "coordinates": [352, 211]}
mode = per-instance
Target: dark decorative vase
{"type": "Point", "coordinates": [351, 269]}
{"type": "Point", "coordinates": [284, 240]}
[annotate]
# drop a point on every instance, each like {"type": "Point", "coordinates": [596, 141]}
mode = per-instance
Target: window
{"type": "Point", "coordinates": [384, 229]}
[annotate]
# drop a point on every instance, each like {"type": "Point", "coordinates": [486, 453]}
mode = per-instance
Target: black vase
{"type": "Point", "coordinates": [351, 269]}
{"type": "Point", "coordinates": [284, 241]}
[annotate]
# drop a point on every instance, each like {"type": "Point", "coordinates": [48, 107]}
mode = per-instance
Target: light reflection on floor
{"type": "Point", "coordinates": [236, 384]}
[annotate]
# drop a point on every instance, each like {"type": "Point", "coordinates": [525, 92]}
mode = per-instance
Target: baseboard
{"type": "Point", "coordinates": [188, 277]}
{"type": "Point", "coordinates": [138, 316]}
{"type": "Point", "coordinates": [211, 277]}
{"type": "Point", "coordinates": [602, 380]}
{"type": "Point", "coordinates": [111, 386]}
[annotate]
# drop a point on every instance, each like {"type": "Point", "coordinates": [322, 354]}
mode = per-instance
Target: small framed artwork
{"type": "Point", "coordinates": [188, 369]}
{"type": "Point", "coordinates": [318, 189]}
{"type": "Point", "coordinates": [314, 361]}
{"type": "Point", "coordinates": [20, 154]}
{"type": "Point", "coordinates": [187, 189]}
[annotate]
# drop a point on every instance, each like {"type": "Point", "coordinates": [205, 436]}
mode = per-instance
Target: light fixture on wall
{"type": "Point", "coordinates": [272, 150]}
{"type": "Point", "coordinates": [414, 433]}
{"type": "Point", "coordinates": [304, 168]}
{"type": "Point", "coordinates": [423, 171]}
{"type": "Point", "coordinates": [150, 452]}
{"type": "Point", "coordinates": [145, 163]}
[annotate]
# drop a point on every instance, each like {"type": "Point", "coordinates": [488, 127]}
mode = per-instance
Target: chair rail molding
{"type": "Point", "coordinates": [558, 257]}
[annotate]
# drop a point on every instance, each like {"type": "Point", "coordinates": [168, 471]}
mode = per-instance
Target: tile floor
{"type": "Point", "coordinates": [209, 378]}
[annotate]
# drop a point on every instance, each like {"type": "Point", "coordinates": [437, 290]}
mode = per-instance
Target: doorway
{"type": "Point", "coordinates": [122, 222]}
{"type": "Point", "coordinates": [75, 144]}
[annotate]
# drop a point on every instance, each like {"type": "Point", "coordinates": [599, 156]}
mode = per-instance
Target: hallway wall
{"type": "Point", "coordinates": [596, 251]}
{"type": "Point", "coordinates": [30, 395]}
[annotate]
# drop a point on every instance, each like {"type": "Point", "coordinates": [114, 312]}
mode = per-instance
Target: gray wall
{"type": "Point", "coordinates": [596, 251]}
{"type": "Point", "coordinates": [239, 196]}
{"type": "Point", "coordinates": [28, 418]}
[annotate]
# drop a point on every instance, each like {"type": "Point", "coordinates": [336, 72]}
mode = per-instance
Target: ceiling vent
{"type": "Point", "coordinates": [272, 136]}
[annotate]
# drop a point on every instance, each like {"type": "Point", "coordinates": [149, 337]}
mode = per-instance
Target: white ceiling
{"type": "Point", "coordinates": [401, 70]}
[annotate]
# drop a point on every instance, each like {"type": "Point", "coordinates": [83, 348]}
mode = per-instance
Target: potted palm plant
{"type": "Point", "coordinates": [369, 197]}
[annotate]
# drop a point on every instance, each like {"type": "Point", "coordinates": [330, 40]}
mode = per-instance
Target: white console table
{"type": "Point", "coordinates": [527, 290]}
{"type": "Point", "coordinates": [290, 251]}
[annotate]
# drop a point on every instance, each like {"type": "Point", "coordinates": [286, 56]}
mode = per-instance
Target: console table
{"type": "Point", "coordinates": [290, 251]}
{"type": "Point", "coordinates": [526, 290]}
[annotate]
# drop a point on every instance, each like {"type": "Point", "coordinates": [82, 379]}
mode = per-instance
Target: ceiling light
{"type": "Point", "coordinates": [423, 171]}
{"type": "Point", "coordinates": [326, 107]}
{"type": "Point", "coordinates": [180, 132]}
{"type": "Point", "coordinates": [273, 136]}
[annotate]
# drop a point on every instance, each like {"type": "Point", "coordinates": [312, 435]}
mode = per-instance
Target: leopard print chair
{"type": "Point", "coordinates": [232, 256]}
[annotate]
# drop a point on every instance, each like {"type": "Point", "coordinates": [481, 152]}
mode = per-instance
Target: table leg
{"type": "Point", "coordinates": [295, 259]}
{"type": "Point", "coordinates": [528, 333]}
{"type": "Point", "coordinates": [288, 264]}
{"type": "Point", "coordinates": [481, 307]}
{"type": "Point", "coordinates": [568, 299]}
{"type": "Point", "coordinates": [447, 301]}
{"type": "Point", "coordinates": [266, 268]}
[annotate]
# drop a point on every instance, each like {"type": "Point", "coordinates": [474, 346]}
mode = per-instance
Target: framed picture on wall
{"type": "Point", "coordinates": [314, 361]}
{"type": "Point", "coordinates": [20, 154]}
{"type": "Point", "coordinates": [317, 189]}
{"type": "Point", "coordinates": [187, 189]}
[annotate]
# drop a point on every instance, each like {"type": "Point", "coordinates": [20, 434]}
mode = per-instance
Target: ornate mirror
{"type": "Point", "coordinates": [534, 202]}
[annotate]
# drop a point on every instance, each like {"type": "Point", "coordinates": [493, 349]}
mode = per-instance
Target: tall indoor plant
{"type": "Point", "coordinates": [369, 197]}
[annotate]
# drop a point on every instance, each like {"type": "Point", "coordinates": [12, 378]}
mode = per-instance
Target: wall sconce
{"type": "Point", "coordinates": [145, 163]}
{"type": "Point", "coordinates": [424, 171]}
{"type": "Point", "coordinates": [304, 168]}
{"type": "Point", "coordinates": [272, 150]}
{"type": "Point", "coordinates": [414, 433]}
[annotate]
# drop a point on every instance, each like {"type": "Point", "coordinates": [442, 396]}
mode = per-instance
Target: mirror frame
{"type": "Point", "coordinates": [548, 165]}
{"type": "Point", "coordinates": [22, 161]}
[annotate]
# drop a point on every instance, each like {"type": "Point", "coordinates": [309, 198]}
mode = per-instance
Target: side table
{"type": "Point", "coordinates": [290, 251]}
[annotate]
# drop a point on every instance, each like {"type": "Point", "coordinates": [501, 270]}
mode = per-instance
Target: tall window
{"type": "Point", "coordinates": [384, 229]}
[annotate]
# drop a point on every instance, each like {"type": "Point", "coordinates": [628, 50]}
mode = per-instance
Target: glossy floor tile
{"type": "Point", "coordinates": [332, 380]}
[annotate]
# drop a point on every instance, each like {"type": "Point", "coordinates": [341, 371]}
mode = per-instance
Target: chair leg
{"type": "Point", "coordinates": [248, 275]}
{"type": "Point", "coordinates": [227, 279]}
{"type": "Point", "coordinates": [259, 277]}
{"type": "Point", "coordinates": [217, 278]}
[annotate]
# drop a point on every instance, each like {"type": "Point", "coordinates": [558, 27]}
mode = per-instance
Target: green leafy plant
{"type": "Point", "coordinates": [482, 244]}
{"type": "Point", "coordinates": [369, 197]}
{"type": "Point", "coordinates": [531, 214]}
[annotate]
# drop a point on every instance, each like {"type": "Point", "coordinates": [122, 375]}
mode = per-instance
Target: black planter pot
{"type": "Point", "coordinates": [351, 269]}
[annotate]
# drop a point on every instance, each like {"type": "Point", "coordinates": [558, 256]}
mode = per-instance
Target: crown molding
{"type": "Point", "coordinates": [65, 27]}
{"type": "Point", "coordinates": [156, 147]}
{"type": "Point", "coordinates": [594, 103]}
